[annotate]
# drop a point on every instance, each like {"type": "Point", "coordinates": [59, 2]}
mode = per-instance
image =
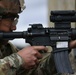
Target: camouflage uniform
{"type": "Point", "coordinates": [47, 66]}
{"type": "Point", "coordinates": [10, 61]}
{"type": "Point", "coordinates": [10, 64]}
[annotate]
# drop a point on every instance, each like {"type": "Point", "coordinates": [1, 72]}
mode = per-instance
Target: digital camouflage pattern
{"type": "Point", "coordinates": [11, 6]}
{"type": "Point", "coordinates": [47, 66]}
{"type": "Point", "coordinates": [10, 64]}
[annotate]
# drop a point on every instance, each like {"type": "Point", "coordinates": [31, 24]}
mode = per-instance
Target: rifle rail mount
{"type": "Point", "coordinates": [58, 37]}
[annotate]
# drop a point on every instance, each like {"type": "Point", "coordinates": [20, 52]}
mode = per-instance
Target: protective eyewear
{"type": "Point", "coordinates": [13, 17]}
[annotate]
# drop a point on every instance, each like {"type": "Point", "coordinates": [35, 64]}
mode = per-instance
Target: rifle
{"type": "Point", "coordinates": [58, 37]}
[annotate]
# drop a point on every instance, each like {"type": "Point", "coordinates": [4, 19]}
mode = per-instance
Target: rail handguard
{"type": "Point", "coordinates": [58, 37]}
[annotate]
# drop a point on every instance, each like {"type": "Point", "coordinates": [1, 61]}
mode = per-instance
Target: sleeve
{"type": "Point", "coordinates": [9, 64]}
{"type": "Point", "coordinates": [46, 66]}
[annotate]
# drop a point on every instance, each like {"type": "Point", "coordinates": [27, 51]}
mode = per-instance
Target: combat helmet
{"type": "Point", "coordinates": [11, 6]}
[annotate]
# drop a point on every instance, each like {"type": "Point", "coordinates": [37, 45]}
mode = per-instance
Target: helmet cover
{"type": "Point", "coordinates": [11, 6]}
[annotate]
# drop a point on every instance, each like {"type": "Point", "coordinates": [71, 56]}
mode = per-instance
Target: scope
{"type": "Point", "coordinates": [63, 16]}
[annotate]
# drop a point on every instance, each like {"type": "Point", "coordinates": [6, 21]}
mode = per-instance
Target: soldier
{"type": "Point", "coordinates": [27, 61]}
{"type": "Point", "coordinates": [11, 60]}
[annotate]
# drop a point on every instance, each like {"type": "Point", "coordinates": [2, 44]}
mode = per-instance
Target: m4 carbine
{"type": "Point", "coordinates": [58, 37]}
